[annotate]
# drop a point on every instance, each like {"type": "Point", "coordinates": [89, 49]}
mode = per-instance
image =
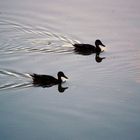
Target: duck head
{"type": "Point", "coordinates": [61, 74]}
{"type": "Point", "coordinates": [98, 42]}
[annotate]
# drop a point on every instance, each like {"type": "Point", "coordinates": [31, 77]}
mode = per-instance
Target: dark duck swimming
{"type": "Point", "coordinates": [87, 49]}
{"type": "Point", "coordinates": [47, 80]}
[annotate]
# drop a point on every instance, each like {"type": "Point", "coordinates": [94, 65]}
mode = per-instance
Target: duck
{"type": "Point", "coordinates": [87, 49]}
{"type": "Point", "coordinates": [47, 80]}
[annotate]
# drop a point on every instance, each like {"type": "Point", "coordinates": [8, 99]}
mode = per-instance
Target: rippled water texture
{"type": "Point", "coordinates": [100, 100]}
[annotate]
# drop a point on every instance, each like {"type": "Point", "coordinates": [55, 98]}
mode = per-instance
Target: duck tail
{"type": "Point", "coordinates": [33, 75]}
{"type": "Point", "coordinates": [76, 42]}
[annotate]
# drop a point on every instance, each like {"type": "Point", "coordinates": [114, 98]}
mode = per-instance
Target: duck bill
{"type": "Point", "coordinates": [65, 76]}
{"type": "Point", "coordinates": [102, 45]}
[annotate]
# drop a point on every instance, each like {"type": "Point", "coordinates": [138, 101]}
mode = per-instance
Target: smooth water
{"type": "Point", "coordinates": [102, 99]}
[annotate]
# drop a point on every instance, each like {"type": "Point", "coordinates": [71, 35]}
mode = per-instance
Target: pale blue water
{"type": "Point", "coordinates": [102, 100]}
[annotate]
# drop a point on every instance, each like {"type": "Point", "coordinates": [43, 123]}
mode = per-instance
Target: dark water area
{"type": "Point", "coordinates": [102, 97]}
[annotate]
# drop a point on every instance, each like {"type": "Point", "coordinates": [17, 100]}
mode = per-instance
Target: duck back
{"type": "Point", "coordinates": [44, 80]}
{"type": "Point", "coordinates": [85, 49]}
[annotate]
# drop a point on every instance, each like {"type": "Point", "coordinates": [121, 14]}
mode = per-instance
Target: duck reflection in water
{"type": "Point", "coordinates": [87, 49]}
{"type": "Point", "coordinates": [98, 58]}
{"type": "Point", "coordinates": [49, 81]}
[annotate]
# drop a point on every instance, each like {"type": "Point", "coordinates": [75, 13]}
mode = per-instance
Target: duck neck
{"type": "Point", "coordinates": [98, 49]}
{"type": "Point", "coordinates": [59, 79]}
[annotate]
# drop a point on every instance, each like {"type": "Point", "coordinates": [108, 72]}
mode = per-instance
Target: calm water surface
{"type": "Point", "coordinates": [102, 99]}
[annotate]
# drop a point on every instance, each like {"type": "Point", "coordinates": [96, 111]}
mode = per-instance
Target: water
{"type": "Point", "coordinates": [102, 99]}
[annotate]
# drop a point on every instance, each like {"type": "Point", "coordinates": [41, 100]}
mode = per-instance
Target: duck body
{"type": "Point", "coordinates": [87, 49]}
{"type": "Point", "coordinates": [47, 80]}
{"type": "Point", "coordinates": [44, 80]}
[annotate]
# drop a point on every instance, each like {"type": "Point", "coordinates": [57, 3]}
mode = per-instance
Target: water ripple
{"type": "Point", "coordinates": [11, 79]}
{"type": "Point", "coordinates": [22, 38]}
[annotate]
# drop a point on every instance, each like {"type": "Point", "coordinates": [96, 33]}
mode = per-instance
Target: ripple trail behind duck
{"type": "Point", "coordinates": [11, 79]}
{"type": "Point", "coordinates": [18, 38]}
